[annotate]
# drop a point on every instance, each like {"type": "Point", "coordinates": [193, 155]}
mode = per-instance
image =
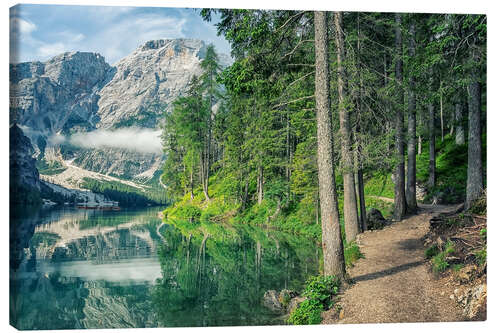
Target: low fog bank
{"type": "Point", "coordinates": [141, 140]}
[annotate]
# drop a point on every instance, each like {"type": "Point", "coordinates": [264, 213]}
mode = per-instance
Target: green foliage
{"type": "Point", "coordinates": [308, 313]}
{"type": "Point", "coordinates": [352, 253]}
{"type": "Point", "coordinates": [385, 207]}
{"type": "Point", "coordinates": [481, 256]}
{"type": "Point", "coordinates": [49, 168]}
{"type": "Point", "coordinates": [439, 263]}
{"type": "Point", "coordinates": [185, 212]}
{"type": "Point", "coordinates": [319, 294]}
{"type": "Point", "coordinates": [431, 251]}
{"type": "Point", "coordinates": [451, 169]}
{"type": "Point", "coordinates": [126, 195]}
{"type": "Point", "coordinates": [379, 184]}
{"type": "Point", "coordinates": [482, 232]}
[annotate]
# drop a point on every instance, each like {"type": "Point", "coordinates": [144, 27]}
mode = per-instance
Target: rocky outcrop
{"type": "Point", "coordinates": [147, 82]}
{"type": "Point", "coordinates": [285, 301]}
{"type": "Point", "coordinates": [79, 92]}
{"type": "Point", "coordinates": [118, 162]}
{"type": "Point", "coordinates": [58, 96]}
{"type": "Point", "coordinates": [375, 220]}
{"type": "Point", "coordinates": [271, 301]}
{"type": "Point", "coordinates": [24, 176]}
{"type": "Point", "coordinates": [472, 300]}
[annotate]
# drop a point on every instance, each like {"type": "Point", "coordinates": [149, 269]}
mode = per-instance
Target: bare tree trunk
{"type": "Point", "coordinates": [459, 123]}
{"type": "Point", "coordinates": [475, 183]}
{"type": "Point", "coordinates": [260, 185]}
{"type": "Point", "coordinates": [432, 146]}
{"type": "Point", "coordinates": [361, 196]}
{"type": "Point", "coordinates": [399, 183]}
{"type": "Point", "coordinates": [411, 193]}
{"type": "Point", "coordinates": [350, 204]}
{"type": "Point", "coordinates": [333, 250]}
{"type": "Point", "coordinates": [204, 173]}
{"type": "Point", "coordinates": [191, 184]}
{"type": "Point", "coordinates": [441, 109]}
{"type": "Point", "coordinates": [419, 144]}
{"type": "Point", "coordinates": [358, 159]}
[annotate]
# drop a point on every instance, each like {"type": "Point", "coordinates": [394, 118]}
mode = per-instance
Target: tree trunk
{"type": "Point", "coordinates": [361, 196]}
{"type": "Point", "coordinates": [359, 165]}
{"type": "Point", "coordinates": [260, 185]}
{"type": "Point", "coordinates": [399, 181]}
{"type": "Point", "coordinates": [333, 251]}
{"type": "Point", "coordinates": [419, 144]}
{"type": "Point", "coordinates": [191, 183]}
{"type": "Point", "coordinates": [204, 174]}
{"type": "Point", "coordinates": [459, 124]}
{"type": "Point", "coordinates": [350, 204]}
{"type": "Point", "coordinates": [441, 109]}
{"type": "Point", "coordinates": [411, 193]}
{"type": "Point", "coordinates": [475, 184]}
{"type": "Point", "coordinates": [432, 146]}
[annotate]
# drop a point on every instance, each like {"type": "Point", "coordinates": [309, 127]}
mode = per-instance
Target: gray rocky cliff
{"type": "Point", "coordinates": [24, 177]}
{"type": "Point", "coordinates": [60, 95]}
{"type": "Point", "coordinates": [78, 92]}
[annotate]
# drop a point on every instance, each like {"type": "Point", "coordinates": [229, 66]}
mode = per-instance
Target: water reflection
{"type": "Point", "coordinates": [95, 269]}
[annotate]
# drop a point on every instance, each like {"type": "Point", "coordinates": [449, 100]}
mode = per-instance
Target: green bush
{"type": "Point", "coordinates": [439, 263]}
{"type": "Point", "coordinates": [308, 313]}
{"type": "Point", "coordinates": [431, 251]}
{"type": "Point", "coordinates": [186, 212]}
{"type": "Point", "coordinates": [319, 294]}
{"type": "Point", "coordinates": [214, 209]}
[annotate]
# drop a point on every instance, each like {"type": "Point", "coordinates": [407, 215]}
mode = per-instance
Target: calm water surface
{"type": "Point", "coordinates": [107, 269]}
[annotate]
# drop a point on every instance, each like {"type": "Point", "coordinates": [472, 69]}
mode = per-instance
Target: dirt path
{"type": "Point", "coordinates": [393, 282]}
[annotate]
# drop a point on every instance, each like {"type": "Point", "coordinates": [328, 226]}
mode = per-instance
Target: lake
{"type": "Point", "coordinates": [74, 268]}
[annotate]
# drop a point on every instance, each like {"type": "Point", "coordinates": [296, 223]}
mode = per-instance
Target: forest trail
{"type": "Point", "coordinates": [393, 283]}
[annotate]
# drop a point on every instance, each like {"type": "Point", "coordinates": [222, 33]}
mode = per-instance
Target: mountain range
{"type": "Point", "coordinates": [86, 118]}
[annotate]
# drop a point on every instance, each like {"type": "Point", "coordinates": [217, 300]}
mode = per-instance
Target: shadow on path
{"type": "Point", "coordinates": [387, 272]}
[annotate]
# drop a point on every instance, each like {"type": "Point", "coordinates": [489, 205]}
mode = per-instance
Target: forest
{"type": "Point", "coordinates": [126, 195]}
{"type": "Point", "coordinates": [326, 115]}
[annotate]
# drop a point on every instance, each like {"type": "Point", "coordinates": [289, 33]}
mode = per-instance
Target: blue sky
{"type": "Point", "coordinates": [39, 32]}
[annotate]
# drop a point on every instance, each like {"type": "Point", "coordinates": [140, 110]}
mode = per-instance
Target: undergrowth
{"type": "Point", "coordinates": [451, 170]}
{"type": "Point", "coordinates": [439, 263]}
{"type": "Point", "coordinates": [319, 293]}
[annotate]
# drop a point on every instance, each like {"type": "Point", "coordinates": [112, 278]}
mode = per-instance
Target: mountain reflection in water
{"type": "Point", "coordinates": [108, 269]}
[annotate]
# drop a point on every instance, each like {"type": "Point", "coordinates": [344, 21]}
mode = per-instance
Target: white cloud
{"type": "Point", "coordinates": [132, 138]}
{"type": "Point", "coordinates": [22, 26]}
{"type": "Point", "coordinates": [50, 50]}
{"type": "Point", "coordinates": [114, 44]}
{"type": "Point", "coordinates": [71, 37]}
{"type": "Point", "coordinates": [112, 31]}
{"type": "Point", "coordinates": [56, 139]}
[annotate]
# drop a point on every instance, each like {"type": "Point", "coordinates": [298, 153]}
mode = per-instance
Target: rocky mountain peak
{"type": "Point", "coordinates": [77, 70]}
{"type": "Point", "coordinates": [147, 82]}
{"type": "Point", "coordinates": [78, 92]}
